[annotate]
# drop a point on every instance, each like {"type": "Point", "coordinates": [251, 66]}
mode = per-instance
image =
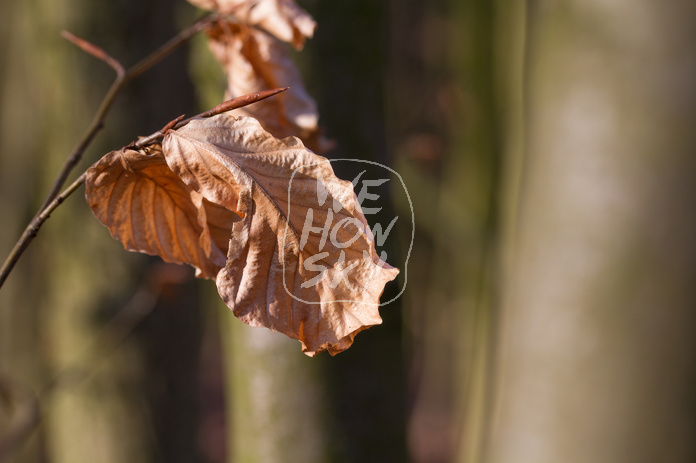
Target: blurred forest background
{"type": "Point", "coordinates": [550, 312]}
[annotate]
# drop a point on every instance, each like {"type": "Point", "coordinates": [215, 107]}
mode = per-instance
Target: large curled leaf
{"type": "Point", "coordinates": [302, 261]}
{"type": "Point", "coordinates": [149, 209]}
{"type": "Point", "coordinates": [254, 61]}
{"type": "Point", "coordinates": [281, 18]}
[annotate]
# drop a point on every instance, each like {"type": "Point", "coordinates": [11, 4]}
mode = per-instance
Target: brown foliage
{"type": "Point", "coordinates": [253, 61]}
{"type": "Point", "coordinates": [281, 18]}
{"type": "Point", "coordinates": [300, 257]}
{"type": "Point", "coordinates": [149, 209]}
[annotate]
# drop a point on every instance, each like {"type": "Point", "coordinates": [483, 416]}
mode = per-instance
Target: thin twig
{"type": "Point", "coordinates": [225, 106]}
{"type": "Point", "coordinates": [235, 103]}
{"type": "Point", "coordinates": [174, 43]}
{"type": "Point", "coordinates": [33, 228]}
{"type": "Point", "coordinates": [97, 123]}
{"type": "Point", "coordinates": [38, 220]}
{"type": "Point", "coordinates": [122, 78]}
{"type": "Point", "coordinates": [95, 51]}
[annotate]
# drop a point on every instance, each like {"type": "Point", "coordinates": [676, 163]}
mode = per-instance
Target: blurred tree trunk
{"type": "Point", "coordinates": [105, 403]}
{"type": "Point", "coordinates": [276, 399]}
{"type": "Point", "coordinates": [443, 124]}
{"type": "Point", "coordinates": [596, 352]}
{"type": "Point", "coordinates": [275, 396]}
{"type": "Point", "coordinates": [283, 406]}
{"type": "Point", "coordinates": [45, 310]}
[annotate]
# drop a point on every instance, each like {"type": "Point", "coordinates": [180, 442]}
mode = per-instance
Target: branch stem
{"type": "Point", "coordinates": [53, 199]}
{"type": "Point", "coordinates": [33, 228]}
{"type": "Point", "coordinates": [171, 45]}
{"type": "Point", "coordinates": [122, 78]}
{"type": "Point", "coordinates": [225, 106]}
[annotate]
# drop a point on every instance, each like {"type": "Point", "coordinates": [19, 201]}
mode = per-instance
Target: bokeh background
{"type": "Point", "coordinates": [550, 307]}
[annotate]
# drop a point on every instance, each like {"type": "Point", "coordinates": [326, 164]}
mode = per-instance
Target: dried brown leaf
{"type": "Point", "coordinates": [281, 18]}
{"type": "Point", "coordinates": [149, 209]}
{"type": "Point", "coordinates": [320, 287]}
{"type": "Point", "coordinates": [254, 61]}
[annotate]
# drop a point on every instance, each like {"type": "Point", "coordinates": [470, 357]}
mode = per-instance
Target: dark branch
{"type": "Point", "coordinates": [49, 202]}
